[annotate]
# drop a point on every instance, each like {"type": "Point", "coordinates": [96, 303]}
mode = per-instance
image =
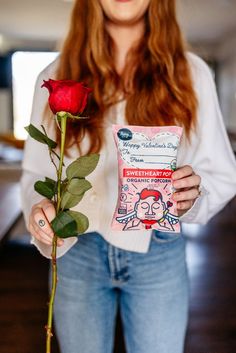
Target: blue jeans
{"type": "Point", "coordinates": [151, 291]}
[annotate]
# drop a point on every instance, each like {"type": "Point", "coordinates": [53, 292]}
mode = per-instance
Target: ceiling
{"type": "Point", "coordinates": [203, 21]}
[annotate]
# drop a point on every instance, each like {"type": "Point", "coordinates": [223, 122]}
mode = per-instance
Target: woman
{"type": "Point", "coordinates": [131, 53]}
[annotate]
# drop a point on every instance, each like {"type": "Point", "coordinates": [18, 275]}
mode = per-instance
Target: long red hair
{"type": "Point", "coordinates": [159, 88]}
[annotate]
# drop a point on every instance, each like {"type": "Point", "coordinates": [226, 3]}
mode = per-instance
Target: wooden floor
{"type": "Point", "coordinates": [212, 266]}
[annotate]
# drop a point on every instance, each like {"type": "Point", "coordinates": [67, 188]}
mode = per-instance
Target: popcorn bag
{"type": "Point", "coordinates": [146, 160]}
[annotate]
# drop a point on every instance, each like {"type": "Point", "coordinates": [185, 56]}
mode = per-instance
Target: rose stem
{"type": "Point", "coordinates": [54, 245]}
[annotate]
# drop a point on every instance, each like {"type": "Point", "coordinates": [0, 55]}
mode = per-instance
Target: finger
{"type": "Point", "coordinates": [182, 172]}
{"type": "Point", "coordinates": [187, 182]}
{"type": "Point", "coordinates": [41, 224]}
{"type": "Point", "coordinates": [49, 211]}
{"type": "Point", "coordinates": [184, 205]}
{"type": "Point", "coordinates": [39, 235]}
{"type": "Point", "coordinates": [191, 194]}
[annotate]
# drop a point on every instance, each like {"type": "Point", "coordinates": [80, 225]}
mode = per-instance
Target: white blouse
{"type": "Point", "coordinates": [209, 154]}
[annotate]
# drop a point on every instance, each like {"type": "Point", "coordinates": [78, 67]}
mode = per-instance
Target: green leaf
{"type": "Point", "coordinates": [40, 136]}
{"type": "Point", "coordinates": [78, 186]}
{"type": "Point", "coordinates": [74, 192]}
{"type": "Point", "coordinates": [52, 182]}
{"type": "Point", "coordinates": [69, 200]}
{"type": "Point", "coordinates": [45, 188]}
{"type": "Point", "coordinates": [83, 166]}
{"type": "Point", "coordinates": [78, 117]}
{"type": "Point", "coordinates": [81, 221]}
{"type": "Point", "coordinates": [69, 115]}
{"type": "Point", "coordinates": [64, 225]}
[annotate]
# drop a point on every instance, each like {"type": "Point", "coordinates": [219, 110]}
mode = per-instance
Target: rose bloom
{"type": "Point", "coordinates": [67, 96]}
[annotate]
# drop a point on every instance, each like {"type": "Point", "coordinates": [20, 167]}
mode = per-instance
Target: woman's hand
{"type": "Point", "coordinates": [186, 183]}
{"type": "Point", "coordinates": [41, 215]}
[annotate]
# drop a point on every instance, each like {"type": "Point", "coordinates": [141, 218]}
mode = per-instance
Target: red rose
{"type": "Point", "coordinates": [67, 96]}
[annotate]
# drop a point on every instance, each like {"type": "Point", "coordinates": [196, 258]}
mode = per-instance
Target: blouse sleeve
{"type": "Point", "coordinates": [36, 164]}
{"type": "Point", "coordinates": [213, 158]}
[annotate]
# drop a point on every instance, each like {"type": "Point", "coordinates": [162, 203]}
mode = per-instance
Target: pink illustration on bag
{"type": "Point", "coordinates": [147, 157]}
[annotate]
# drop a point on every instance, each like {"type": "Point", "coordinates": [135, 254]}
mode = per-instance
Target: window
{"type": "Point", "coordinates": [26, 66]}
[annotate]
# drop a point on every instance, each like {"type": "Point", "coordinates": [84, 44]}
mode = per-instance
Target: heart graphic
{"type": "Point", "coordinates": [169, 204]}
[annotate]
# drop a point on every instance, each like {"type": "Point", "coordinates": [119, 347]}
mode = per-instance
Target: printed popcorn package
{"type": "Point", "coordinates": [146, 160]}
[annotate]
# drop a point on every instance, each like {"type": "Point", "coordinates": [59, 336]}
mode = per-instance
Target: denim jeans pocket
{"type": "Point", "coordinates": [165, 237]}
